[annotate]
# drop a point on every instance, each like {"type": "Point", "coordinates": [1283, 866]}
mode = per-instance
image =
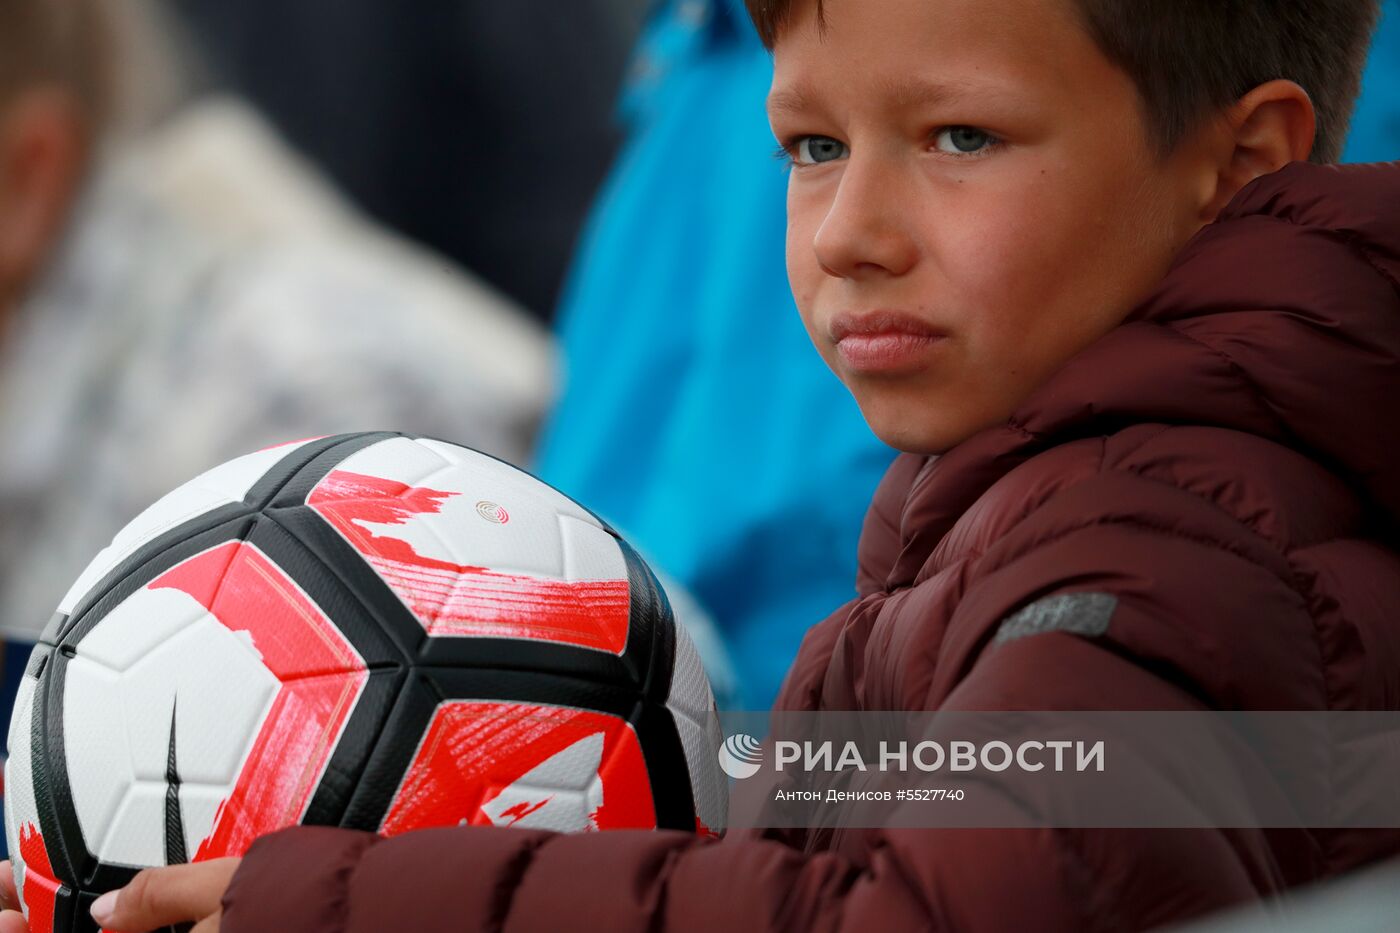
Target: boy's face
{"type": "Point", "coordinates": [975, 200]}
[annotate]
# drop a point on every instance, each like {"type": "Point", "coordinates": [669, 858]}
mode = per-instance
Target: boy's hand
{"type": "Point", "coordinates": [162, 897]}
{"type": "Point", "coordinates": [11, 920]}
{"type": "Point", "coordinates": [158, 897]}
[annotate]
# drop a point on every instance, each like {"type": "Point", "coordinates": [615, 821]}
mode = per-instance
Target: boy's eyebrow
{"type": "Point", "coordinates": [791, 100]}
{"type": "Point", "coordinates": [902, 91]}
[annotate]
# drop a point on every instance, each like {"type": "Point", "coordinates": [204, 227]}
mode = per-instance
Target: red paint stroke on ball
{"type": "Point", "coordinates": [321, 679]}
{"type": "Point", "coordinates": [524, 808]}
{"type": "Point", "coordinates": [462, 600]}
{"type": "Point", "coordinates": [40, 888]}
{"type": "Point", "coordinates": [476, 750]}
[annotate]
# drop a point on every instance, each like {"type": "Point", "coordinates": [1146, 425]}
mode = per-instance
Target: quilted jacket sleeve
{"type": "Point", "coordinates": [314, 879]}
{"type": "Point", "coordinates": [1182, 581]}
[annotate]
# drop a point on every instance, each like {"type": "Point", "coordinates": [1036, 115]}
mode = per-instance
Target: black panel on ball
{"type": "Point", "coordinates": [341, 561]}
{"type": "Point", "coordinates": [332, 452]}
{"type": "Point", "coordinates": [427, 687]}
{"type": "Point", "coordinates": [363, 733]}
{"type": "Point", "coordinates": [672, 795]}
{"type": "Point", "coordinates": [303, 461]}
{"type": "Point", "coordinates": [328, 589]}
{"type": "Point", "coordinates": [411, 713]}
{"type": "Point", "coordinates": [385, 660]}
{"type": "Point", "coordinates": [652, 628]}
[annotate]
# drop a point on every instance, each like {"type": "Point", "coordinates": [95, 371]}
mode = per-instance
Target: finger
{"type": "Point", "coordinates": [159, 897]}
{"type": "Point", "coordinates": [9, 898]}
{"type": "Point", "coordinates": [209, 924]}
{"type": "Point", "coordinates": [12, 921]}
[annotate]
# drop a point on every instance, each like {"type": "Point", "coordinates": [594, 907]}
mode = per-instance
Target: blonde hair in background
{"type": "Point", "coordinates": [126, 62]}
{"type": "Point", "coordinates": [59, 43]}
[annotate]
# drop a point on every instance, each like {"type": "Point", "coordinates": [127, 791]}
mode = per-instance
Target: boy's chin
{"type": "Point", "coordinates": [919, 428]}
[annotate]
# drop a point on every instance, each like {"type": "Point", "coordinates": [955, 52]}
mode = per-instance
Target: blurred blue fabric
{"type": "Point", "coordinates": [1375, 130]}
{"type": "Point", "coordinates": [696, 415]}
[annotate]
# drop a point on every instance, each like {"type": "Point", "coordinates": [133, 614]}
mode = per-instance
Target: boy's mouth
{"type": "Point", "coordinates": [884, 342]}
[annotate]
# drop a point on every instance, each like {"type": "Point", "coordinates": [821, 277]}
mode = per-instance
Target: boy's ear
{"type": "Point", "coordinates": [1272, 125]}
{"type": "Point", "coordinates": [43, 159]}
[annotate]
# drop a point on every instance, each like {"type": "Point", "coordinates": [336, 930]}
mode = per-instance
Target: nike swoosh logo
{"type": "Point", "coordinates": [174, 820]}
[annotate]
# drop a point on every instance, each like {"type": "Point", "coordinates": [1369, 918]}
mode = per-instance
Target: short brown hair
{"type": "Point", "coordinates": [1190, 58]}
{"type": "Point", "coordinates": [65, 43]}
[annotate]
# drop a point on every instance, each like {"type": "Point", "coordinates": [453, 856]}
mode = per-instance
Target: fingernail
{"type": "Point", "coordinates": [103, 907]}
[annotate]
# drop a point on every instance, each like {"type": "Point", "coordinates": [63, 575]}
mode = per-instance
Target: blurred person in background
{"type": "Point", "coordinates": [695, 415]}
{"type": "Point", "coordinates": [478, 127]}
{"type": "Point", "coordinates": [184, 292]}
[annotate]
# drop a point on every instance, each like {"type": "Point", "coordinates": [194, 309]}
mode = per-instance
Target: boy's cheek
{"type": "Point", "coordinates": [806, 280]}
{"type": "Point", "coordinates": [804, 272]}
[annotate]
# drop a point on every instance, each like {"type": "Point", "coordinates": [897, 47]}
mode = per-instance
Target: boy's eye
{"type": "Point", "coordinates": [963, 140]}
{"type": "Point", "coordinates": [814, 150]}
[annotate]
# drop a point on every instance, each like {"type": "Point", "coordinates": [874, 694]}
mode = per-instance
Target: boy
{"type": "Point", "coordinates": [1144, 368]}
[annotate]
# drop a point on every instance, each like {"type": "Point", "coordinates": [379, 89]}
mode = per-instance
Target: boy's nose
{"type": "Point", "coordinates": [864, 232]}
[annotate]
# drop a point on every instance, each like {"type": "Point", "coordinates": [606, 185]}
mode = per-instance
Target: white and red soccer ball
{"type": "Point", "coordinates": [369, 630]}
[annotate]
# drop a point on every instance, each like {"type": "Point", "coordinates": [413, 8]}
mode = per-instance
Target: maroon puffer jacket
{"type": "Point", "coordinates": [1223, 464]}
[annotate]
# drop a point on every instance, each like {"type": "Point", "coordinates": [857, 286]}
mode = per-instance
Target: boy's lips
{"type": "Point", "coordinates": [884, 342]}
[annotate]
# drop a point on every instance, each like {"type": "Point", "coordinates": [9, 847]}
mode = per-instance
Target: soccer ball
{"type": "Point", "coordinates": [371, 630]}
